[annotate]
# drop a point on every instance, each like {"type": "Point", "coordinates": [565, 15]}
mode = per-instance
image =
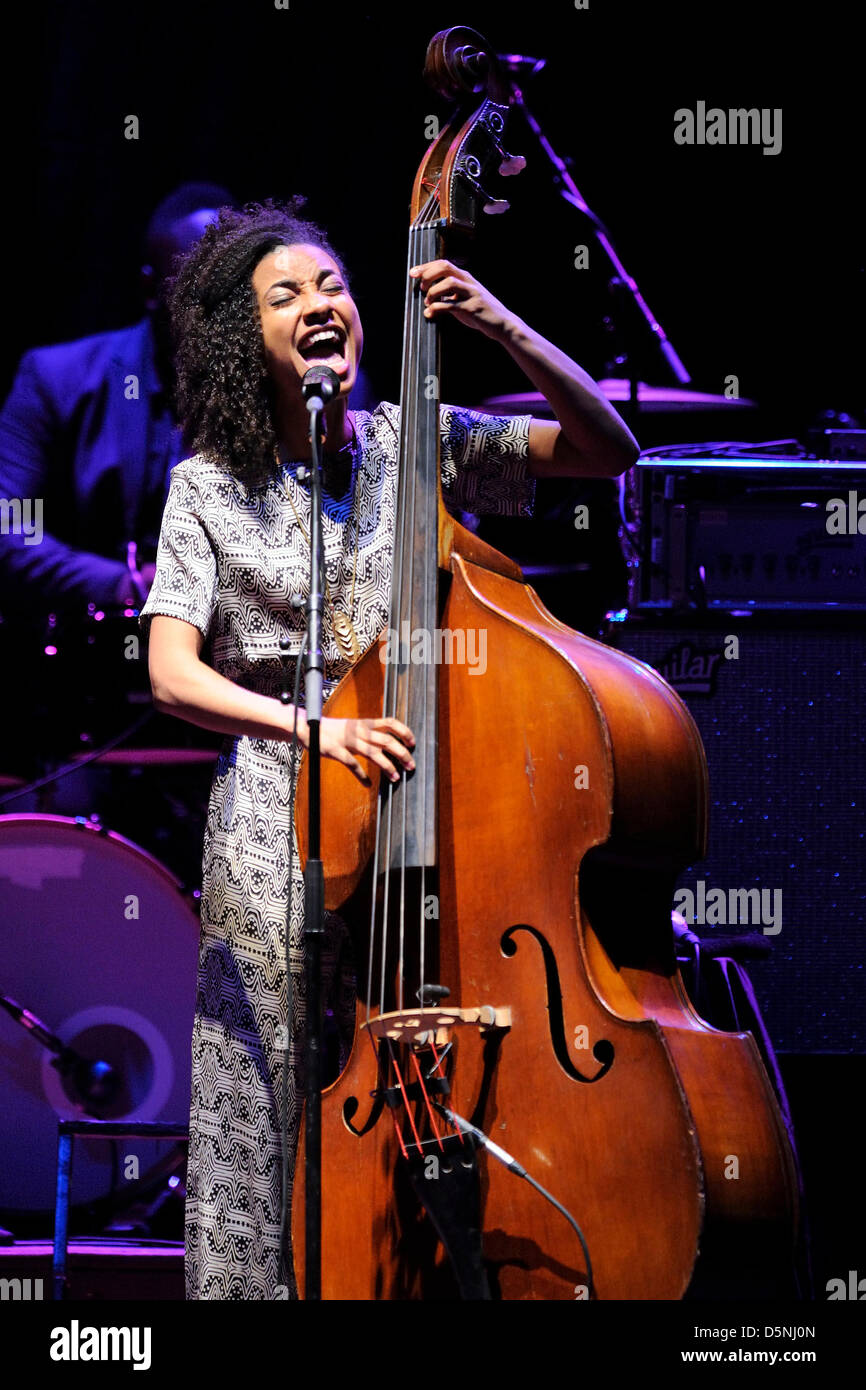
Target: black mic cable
{"type": "Point", "coordinates": [513, 1166]}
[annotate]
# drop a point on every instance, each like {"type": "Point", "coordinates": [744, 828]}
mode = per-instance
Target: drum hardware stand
{"type": "Point", "coordinates": [623, 287]}
{"type": "Point", "coordinates": [79, 763]}
{"type": "Point", "coordinates": [621, 322]}
{"type": "Point", "coordinates": [95, 1081]}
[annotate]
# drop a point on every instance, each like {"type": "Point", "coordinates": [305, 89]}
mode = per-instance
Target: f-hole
{"type": "Point", "coordinates": [603, 1050]}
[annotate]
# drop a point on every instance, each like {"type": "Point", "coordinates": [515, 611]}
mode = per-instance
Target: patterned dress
{"type": "Point", "coordinates": [230, 558]}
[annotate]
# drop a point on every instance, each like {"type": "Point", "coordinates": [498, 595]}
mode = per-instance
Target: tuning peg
{"type": "Point", "coordinates": [511, 164]}
{"type": "Point", "coordinates": [491, 205]}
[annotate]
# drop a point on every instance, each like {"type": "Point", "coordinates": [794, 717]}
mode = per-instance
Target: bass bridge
{"type": "Point", "coordinates": [437, 1162]}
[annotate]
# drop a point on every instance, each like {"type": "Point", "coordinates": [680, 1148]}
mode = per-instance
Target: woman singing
{"type": "Point", "coordinates": [256, 301]}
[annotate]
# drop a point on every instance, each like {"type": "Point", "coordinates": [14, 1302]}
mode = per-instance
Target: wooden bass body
{"type": "Point", "coordinates": [572, 791]}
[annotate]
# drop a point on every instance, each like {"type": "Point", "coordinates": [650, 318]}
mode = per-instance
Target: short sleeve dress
{"type": "Point", "coordinates": [230, 559]}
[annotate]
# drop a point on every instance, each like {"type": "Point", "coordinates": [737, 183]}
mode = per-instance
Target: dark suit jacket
{"type": "Point", "coordinates": [86, 430]}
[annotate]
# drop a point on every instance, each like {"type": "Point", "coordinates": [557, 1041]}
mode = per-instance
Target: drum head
{"type": "Point", "coordinates": [101, 945]}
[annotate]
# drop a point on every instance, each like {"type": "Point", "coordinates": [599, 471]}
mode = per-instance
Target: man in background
{"type": "Point", "coordinates": [88, 437]}
{"type": "Point", "coordinates": [87, 442]}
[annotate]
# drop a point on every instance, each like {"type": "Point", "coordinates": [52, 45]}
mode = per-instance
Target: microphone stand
{"type": "Point", "coordinates": [624, 294]}
{"type": "Point", "coordinates": [622, 286]}
{"type": "Point", "coordinates": [314, 879]}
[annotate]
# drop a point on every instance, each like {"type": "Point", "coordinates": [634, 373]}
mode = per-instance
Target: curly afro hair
{"type": "Point", "coordinates": [224, 392]}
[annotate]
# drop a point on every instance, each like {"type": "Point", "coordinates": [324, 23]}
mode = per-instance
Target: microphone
{"type": "Point", "coordinates": [320, 383]}
{"type": "Point", "coordinates": [95, 1082]}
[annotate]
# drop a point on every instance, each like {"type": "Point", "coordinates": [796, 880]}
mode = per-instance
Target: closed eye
{"type": "Point", "coordinates": [333, 287]}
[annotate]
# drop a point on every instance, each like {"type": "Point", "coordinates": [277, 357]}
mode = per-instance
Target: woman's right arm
{"type": "Point", "coordinates": [187, 687]}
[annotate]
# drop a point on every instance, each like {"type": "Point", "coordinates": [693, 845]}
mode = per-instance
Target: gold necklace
{"type": "Point", "coordinates": [345, 636]}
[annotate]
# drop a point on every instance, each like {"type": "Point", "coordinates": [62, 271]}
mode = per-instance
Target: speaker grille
{"type": "Point", "coordinates": [784, 730]}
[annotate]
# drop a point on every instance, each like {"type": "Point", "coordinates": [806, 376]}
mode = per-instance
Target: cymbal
{"type": "Point", "coordinates": [651, 399]}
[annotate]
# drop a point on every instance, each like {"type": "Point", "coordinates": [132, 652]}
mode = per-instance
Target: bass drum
{"type": "Point", "coordinates": [101, 945]}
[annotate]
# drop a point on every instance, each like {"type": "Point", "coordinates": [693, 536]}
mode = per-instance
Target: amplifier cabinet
{"type": "Point", "coordinates": [760, 533]}
{"type": "Point", "coordinates": [780, 710]}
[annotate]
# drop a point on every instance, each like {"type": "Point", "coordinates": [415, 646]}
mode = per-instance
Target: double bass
{"type": "Point", "coordinates": [532, 1108]}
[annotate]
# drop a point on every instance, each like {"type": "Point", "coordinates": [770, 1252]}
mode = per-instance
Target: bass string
{"type": "Point", "coordinates": [409, 479]}
{"type": "Point", "coordinates": [393, 705]}
{"type": "Point", "coordinates": [384, 823]}
{"type": "Point", "coordinates": [424, 342]}
{"type": "Point", "coordinates": [430, 371]}
{"type": "Point", "coordinates": [402, 687]}
{"type": "Point", "coordinates": [403, 591]}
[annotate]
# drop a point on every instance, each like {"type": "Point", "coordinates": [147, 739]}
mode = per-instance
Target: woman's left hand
{"type": "Point", "coordinates": [448, 289]}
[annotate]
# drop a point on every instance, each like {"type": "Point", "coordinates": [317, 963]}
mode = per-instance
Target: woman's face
{"type": "Point", "coordinates": [308, 317]}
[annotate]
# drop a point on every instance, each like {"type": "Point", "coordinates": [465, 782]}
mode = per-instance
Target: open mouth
{"type": "Point", "coordinates": [325, 345]}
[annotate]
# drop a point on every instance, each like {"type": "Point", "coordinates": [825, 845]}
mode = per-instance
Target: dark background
{"type": "Point", "coordinates": [753, 262]}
